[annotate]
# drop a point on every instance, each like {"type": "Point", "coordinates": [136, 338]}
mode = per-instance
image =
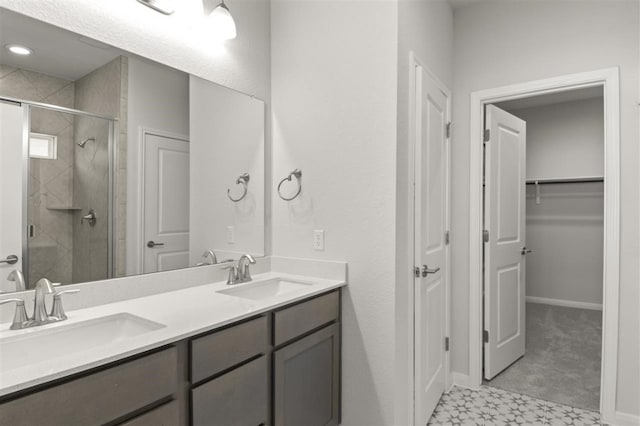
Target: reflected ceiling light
{"type": "Point", "coordinates": [18, 50]}
{"type": "Point", "coordinates": [162, 6]}
{"type": "Point", "coordinates": [222, 22]}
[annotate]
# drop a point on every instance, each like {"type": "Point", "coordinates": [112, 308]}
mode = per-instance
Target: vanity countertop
{"type": "Point", "coordinates": [184, 313]}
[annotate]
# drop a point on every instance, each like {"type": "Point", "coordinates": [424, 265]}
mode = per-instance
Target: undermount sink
{"type": "Point", "coordinates": [265, 289]}
{"type": "Point", "coordinates": [49, 343]}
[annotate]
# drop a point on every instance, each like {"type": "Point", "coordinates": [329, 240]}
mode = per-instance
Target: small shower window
{"type": "Point", "coordinates": [43, 146]}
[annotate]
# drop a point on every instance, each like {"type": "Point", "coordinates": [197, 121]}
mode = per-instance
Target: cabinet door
{"type": "Point", "coordinates": [100, 397]}
{"type": "Point", "coordinates": [165, 415]}
{"type": "Point", "coordinates": [237, 398]}
{"type": "Point", "coordinates": [307, 380]}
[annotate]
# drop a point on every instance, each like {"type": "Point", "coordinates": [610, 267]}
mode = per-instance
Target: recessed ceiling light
{"type": "Point", "coordinates": [18, 50]}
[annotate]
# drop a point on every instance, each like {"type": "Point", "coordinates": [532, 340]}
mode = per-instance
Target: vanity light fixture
{"type": "Point", "coordinates": [222, 21]}
{"type": "Point", "coordinates": [18, 50]}
{"type": "Point", "coordinates": [162, 6]}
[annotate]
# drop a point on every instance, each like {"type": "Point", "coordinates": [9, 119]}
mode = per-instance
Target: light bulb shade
{"type": "Point", "coordinates": [222, 22]}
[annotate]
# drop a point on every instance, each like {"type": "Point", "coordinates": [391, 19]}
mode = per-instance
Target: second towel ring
{"type": "Point", "coordinates": [243, 180]}
{"type": "Point", "coordinates": [297, 173]}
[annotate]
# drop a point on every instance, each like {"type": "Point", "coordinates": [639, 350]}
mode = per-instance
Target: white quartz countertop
{"type": "Point", "coordinates": [184, 313]}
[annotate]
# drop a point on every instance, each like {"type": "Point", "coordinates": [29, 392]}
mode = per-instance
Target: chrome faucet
{"type": "Point", "coordinates": [240, 273]}
{"type": "Point", "coordinates": [43, 286]}
{"type": "Point", "coordinates": [233, 274]}
{"type": "Point", "coordinates": [40, 316]}
{"type": "Point", "coordinates": [212, 255]}
{"type": "Point", "coordinates": [244, 275]}
{"type": "Point", "coordinates": [20, 318]}
{"type": "Point", "coordinates": [17, 276]}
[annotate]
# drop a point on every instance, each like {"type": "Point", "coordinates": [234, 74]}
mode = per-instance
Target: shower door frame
{"type": "Point", "coordinates": [113, 162]}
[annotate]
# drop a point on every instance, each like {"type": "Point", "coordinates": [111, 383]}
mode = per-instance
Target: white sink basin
{"type": "Point", "coordinates": [265, 289]}
{"type": "Point", "coordinates": [52, 342]}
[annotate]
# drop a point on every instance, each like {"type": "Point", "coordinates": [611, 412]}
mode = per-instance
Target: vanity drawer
{"type": "Point", "coordinates": [216, 352]}
{"type": "Point", "coordinates": [237, 398]}
{"type": "Point", "coordinates": [100, 397]}
{"type": "Point", "coordinates": [164, 415]}
{"type": "Point", "coordinates": [296, 320]}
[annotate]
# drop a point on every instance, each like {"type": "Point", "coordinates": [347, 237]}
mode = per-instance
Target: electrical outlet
{"type": "Point", "coordinates": [318, 239]}
{"type": "Point", "coordinates": [231, 235]}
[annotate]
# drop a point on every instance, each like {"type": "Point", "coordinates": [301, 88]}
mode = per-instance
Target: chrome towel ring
{"type": "Point", "coordinates": [297, 173]}
{"type": "Point", "coordinates": [242, 180]}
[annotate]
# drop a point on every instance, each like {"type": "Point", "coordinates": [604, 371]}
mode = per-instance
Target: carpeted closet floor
{"type": "Point", "coordinates": [562, 358]}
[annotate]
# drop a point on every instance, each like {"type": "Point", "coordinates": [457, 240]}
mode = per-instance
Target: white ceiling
{"type": "Point", "coordinates": [553, 98]}
{"type": "Point", "coordinates": [56, 52]}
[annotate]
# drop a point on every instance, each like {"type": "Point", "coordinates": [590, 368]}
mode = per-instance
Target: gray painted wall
{"type": "Point", "coordinates": [158, 99]}
{"type": "Point", "coordinates": [565, 231]}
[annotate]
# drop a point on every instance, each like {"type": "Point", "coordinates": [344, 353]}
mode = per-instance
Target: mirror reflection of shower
{"type": "Point", "coordinates": [64, 184]}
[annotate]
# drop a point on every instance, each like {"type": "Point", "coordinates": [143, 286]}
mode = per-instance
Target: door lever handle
{"type": "Point", "coordinates": [11, 259]}
{"type": "Point", "coordinates": [525, 251]}
{"type": "Point", "coordinates": [425, 270]}
{"type": "Point", "coordinates": [152, 244]}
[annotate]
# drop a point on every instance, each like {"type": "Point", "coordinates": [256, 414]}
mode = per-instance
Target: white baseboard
{"type": "Point", "coordinates": [625, 419]}
{"type": "Point", "coordinates": [565, 303]}
{"type": "Point", "coordinates": [461, 380]}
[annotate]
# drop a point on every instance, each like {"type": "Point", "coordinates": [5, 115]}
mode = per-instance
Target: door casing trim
{"type": "Point", "coordinates": [608, 79]}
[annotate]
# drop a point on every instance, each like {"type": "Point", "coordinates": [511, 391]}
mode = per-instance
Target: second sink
{"type": "Point", "coordinates": [265, 289]}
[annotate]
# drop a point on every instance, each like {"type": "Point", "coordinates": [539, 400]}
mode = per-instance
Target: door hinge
{"type": "Point", "coordinates": [448, 129]}
{"type": "Point", "coordinates": [485, 336]}
{"type": "Point", "coordinates": [416, 272]}
{"type": "Point", "coordinates": [446, 237]}
{"type": "Point", "coordinates": [446, 344]}
{"type": "Point", "coordinates": [485, 236]}
{"type": "Point", "coordinates": [487, 135]}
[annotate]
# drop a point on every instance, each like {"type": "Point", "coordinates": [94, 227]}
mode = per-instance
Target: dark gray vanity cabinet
{"type": "Point", "coordinates": [237, 398]}
{"type": "Point", "coordinates": [279, 368]}
{"type": "Point", "coordinates": [101, 397]}
{"type": "Point", "coordinates": [307, 380]}
{"type": "Point", "coordinates": [230, 372]}
{"type": "Point", "coordinates": [306, 370]}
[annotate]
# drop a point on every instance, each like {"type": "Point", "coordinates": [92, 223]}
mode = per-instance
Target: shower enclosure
{"type": "Point", "coordinates": [68, 201]}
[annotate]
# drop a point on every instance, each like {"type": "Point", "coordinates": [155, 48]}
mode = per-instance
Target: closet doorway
{"type": "Point", "coordinates": [569, 217]}
{"type": "Point", "coordinates": [544, 205]}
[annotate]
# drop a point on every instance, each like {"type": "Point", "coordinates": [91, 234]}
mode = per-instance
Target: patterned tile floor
{"type": "Point", "coordinates": [496, 407]}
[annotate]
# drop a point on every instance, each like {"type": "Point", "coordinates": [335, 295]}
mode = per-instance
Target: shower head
{"type": "Point", "coordinates": [84, 142]}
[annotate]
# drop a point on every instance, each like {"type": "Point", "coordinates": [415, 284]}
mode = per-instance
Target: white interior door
{"type": "Point", "coordinates": [431, 212]}
{"type": "Point", "coordinates": [504, 221]}
{"type": "Point", "coordinates": [11, 163]}
{"type": "Point", "coordinates": [166, 203]}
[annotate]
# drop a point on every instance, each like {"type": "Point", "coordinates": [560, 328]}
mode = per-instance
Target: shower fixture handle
{"type": "Point", "coordinates": [89, 217]}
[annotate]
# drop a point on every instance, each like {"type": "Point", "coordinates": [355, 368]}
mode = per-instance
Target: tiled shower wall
{"type": "Point", "coordinates": [50, 185]}
{"type": "Point", "coordinates": [98, 92]}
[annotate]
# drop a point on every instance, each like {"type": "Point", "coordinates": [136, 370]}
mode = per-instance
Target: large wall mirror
{"type": "Point", "coordinates": [114, 165]}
